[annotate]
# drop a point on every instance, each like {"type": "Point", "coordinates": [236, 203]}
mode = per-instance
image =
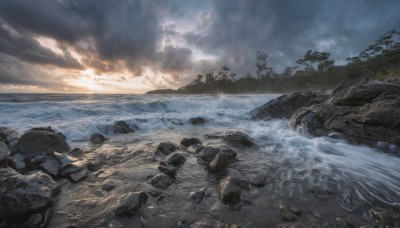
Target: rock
{"type": "Point", "coordinates": [175, 159]}
{"type": "Point", "coordinates": [220, 162]}
{"type": "Point", "coordinates": [17, 162]}
{"type": "Point", "coordinates": [131, 203]}
{"type": "Point", "coordinates": [94, 165]}
{"type": "Point", "coordinates": [155, 192]}
{"type": "Point", "coordinates": [72, 168]}
{"type": "Point", "coordinates": [51, 166]}
{"type": "Point", "coordinates": [108, 186]}
{"type": "Point", "coordinates": [258, 180]}
{"type": "Point", "coordinates": [166, 147]}
{"type": "Point", "coordinates": [76, 152]}
{"type": "Point", "coordinates": [97, 138]}
{"type": "Point", "coordinates": [167, 169]}
{"type": "Point", "coordinates": [198, 120]}
{"type": "Point", "coordinates": [64, 159]}
{"type": "Point", "coordinates": [121, 127]}
{"type": "Point", "coordinates": [37, 142]}
{"type": "Point", "coordinates": [285, 105]}
{"type": "Point", "coordinates": [24, 194]}
{"type": "Point", "coordinates": [367, 113]}
{"type": "Point", "coordinates": [7, 135]}
{"type": "Point", "coordinates": [79, 175]}
{"type": "Point", "coordinates": [197, 196]}
{"type": "Point", "coordinates": [288, 213]}
{"type": "Point", "coordinates": [161, 181]}
{"type": "Point", "coordinates": [190, 141]}
{"type": "Point", "coordinates": [207, 154]}
{"type": "Point", "coordinates": [229, 190]}
{"type": "Point", "coordinates": [4, 154]}
{"type": "Point", "coordinates": [239, 138]}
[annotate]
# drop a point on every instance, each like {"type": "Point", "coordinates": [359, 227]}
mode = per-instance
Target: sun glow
{"type": "Point", "coordinates": [87, 81]}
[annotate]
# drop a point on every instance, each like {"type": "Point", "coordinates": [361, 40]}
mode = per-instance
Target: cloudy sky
{"type": "Point", "coordinates": [132, 46]}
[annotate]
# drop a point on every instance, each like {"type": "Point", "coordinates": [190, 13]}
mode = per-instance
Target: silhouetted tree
{"type": "Point", "coordinates": [313, 59]}
{"type": "Point", "coordinates": [261, 63]}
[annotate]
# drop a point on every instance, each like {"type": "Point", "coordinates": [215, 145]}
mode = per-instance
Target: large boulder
{"type": "Point", "coordinates": [41, 142]}
{"type": "Point", "coordinates": [367, 113]}
{"type": "Point", "coordinates": [161, 181]}
{"type": "Point", "coordinates": [197, 120]}
{"type": "Point", "coordinates": [175, 159]}
{"type": "Point", "coordinates": [24, 194]}
{"type": "Point", "coordinates": [285, 105]}
{"type": "Point", "coordinates": [190, 141]}
{"type": "Point", "coordinates": [208, 153]}
{"type": "Point", "coordinates": [130, 204]}
{"type": "Point", "coordinates": [166, 147]}
{"type": "Point", "coordinates": [7, 135]}
{"type": "Point", "coordinates": [97, 138]}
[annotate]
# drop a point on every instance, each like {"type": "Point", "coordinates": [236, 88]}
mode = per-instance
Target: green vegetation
{"type": "Point", "coordinates": [317, 71]}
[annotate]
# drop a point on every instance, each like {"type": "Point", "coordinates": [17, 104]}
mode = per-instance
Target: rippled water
{"type": "Point", "coordinates": [323, 175]}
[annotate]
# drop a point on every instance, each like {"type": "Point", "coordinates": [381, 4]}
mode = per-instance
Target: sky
{"type": "Point", "coordinates": [133, 46]}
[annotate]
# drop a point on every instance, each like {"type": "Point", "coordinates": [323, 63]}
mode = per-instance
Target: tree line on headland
{"type": "Point", "coordinates": [315, 71]}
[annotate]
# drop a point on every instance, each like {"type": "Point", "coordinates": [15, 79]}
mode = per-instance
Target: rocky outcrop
{"type": "Point", "coordinates": [24, 194]}
{"type": "Point", "coordinates": [285, 105]}
{"type": "Point", "coordinates": [367, 113]}
{"type": "Point", "coordinates": [7, 135]}
{"type": "Point", "coordinates": [130, 204]}
{"type": "Point", "coordinates": [41, 142]}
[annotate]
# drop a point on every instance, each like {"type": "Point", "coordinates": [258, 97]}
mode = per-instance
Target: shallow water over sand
{"type": "Point", "coordinates": [328, 179]}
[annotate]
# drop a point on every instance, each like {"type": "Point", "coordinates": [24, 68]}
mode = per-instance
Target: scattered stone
{"type": "Point", "coordinates": [97, 138]}
{"type": "Point", "coordinates": [17, 162]}
{"type": "Point", "coordinates": [108, 186]}
{"type": "Point", "coordinates": [131, 203]}
{"type": "Point", "coordinates": [7, 135]}
{"type": "Point", "coordinates": [285, 105]}
{"type": "Point", "coordinates": [24, 194]}
{"type": "Point", "coordinates": [175, 159]}
{"type": "Point", "coordinates": [121, 127]}
{"type": "Point", "coordinates": [288, 213]}
{"type": "Point", "coordinates": [220, 162]}
{"type": "Point", "coordinates": [51, 166]}
{"type": "Point", "coordinates": [239, 138]}
{"type": "Point", "coordinates": [4, 154]}
{"type": "Point", "coordinates": [76, 152]}
{"type": "Point", "coordinates": [229, 190]}
{"type": "Point", "coordinates": [64, 159]}
{"type": "Point", "coordinates": [79, 175]}
{"type": "Point", "coordinates": [161, 181]}
{"type": "Point", "coordinates": [190, 141]}
{"type": "Point", "coordinates": [155, 192]}
{"type": "Point", "coordinates": [206, 223]}
{"type": "Point", "coordinates": [207, 154]}
{"type": "Point", "coordinates": [197, 196]}
{"type": "Point", "coordinates": [167, 169]}
{"type": "Point", "coordinates": [73, 167]}
{"type": "Point", "coordinates": [198, 120]}
{"type": "Point", "coordinates": [258, 180]}
{"type": "Point", "coordinates": [41, 142]}
{"type": "Point", "coordinates": [94, 165]}
{"type": "Point", "coordinates": [166, 147]}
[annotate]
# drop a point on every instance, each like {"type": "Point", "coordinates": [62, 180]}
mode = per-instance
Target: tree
{"type": "Point", "coordinates": [389, 41]}
{"type": "Point", "coordinates": [315, 59]}
{"type": "Point", "coordinates": [261, 64]}
{"type": "Point", "coordinates": [287, 72]}
{"type": "Point", "coordinates": [223, 73]}
{"type": "Point", "coordinates": [210, 77]}
{"type": "Point", "coordinates": [198, 79]}
{"type": "Point", "coordinates": [232, 76]}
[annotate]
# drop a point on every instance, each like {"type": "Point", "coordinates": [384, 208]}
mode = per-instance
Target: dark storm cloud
{"type": "Point", "coordinates": [287, 29]}
{"type": "Point", "coordinates": [175, 59]}
{"type": "Point", "coordinates": [30, 50]}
